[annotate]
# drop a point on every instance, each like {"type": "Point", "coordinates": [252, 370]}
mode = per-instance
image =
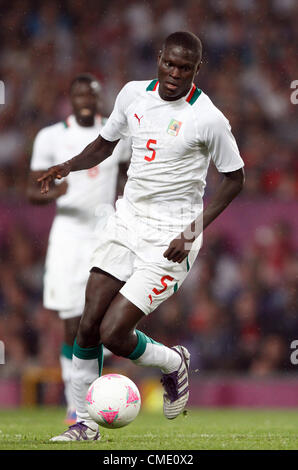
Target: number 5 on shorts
{"type": "Point", "coordinates": [154, 142]}
{"type": "Point", "coordinates": [164, 284]}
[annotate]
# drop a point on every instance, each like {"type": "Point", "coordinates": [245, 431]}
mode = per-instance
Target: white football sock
{"type": "Point", "coordinates": [159, 356]}
{"type": "Point", "coordinates": [149, 353]}
{"type": "Point", "coordinates": [66, 367]}
{"type": "Point", "coordinates": [84, 372]}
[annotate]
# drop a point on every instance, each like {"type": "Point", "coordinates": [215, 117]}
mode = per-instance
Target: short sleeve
{"type": "Point", "coordinates": [42, 157]}
{"type": "Point", "coordinates": [116, 126]}
{"type": "Point", "coordinates": [222, 145]}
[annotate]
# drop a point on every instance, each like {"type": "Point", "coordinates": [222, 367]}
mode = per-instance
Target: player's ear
{"type": "Point", "coordinates": [159, 56]}
{"type": "Point", "coordinates": [198, 67]}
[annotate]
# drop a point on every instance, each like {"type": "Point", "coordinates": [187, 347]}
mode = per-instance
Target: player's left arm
{"type": "Point", "coordinates": [229, 188]}
{"type": "Point", "coordinates": [223, 150]}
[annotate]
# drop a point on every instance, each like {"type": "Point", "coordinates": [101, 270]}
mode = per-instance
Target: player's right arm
{"type": "Point", "coordinates": [95, 153]}
{"type": "Point", "coordinates": [33, 189]}
{"type": "Point", "coordinates": [43, 156]}
{"type": "Point", "coordinates": [98, 150]}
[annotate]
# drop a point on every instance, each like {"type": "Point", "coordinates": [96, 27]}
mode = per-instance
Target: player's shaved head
{"type": "Point", "coordinates": [186, 40]}
{"type": "Point", "coordinates": [88, 79]}
{"type": "Point", "coordinates": [85, 96]}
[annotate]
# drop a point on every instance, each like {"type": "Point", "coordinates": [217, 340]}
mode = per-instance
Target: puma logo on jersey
{"type": "Point", "coordinates": [138, 118]}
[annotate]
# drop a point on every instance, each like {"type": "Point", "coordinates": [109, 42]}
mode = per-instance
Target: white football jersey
{"type": "Point", "coordinates": [172, 145]}
{"type": "Point", "coordinates": [90, 193]}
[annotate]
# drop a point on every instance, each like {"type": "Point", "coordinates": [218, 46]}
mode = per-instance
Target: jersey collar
{"type": "Point", "coordinates": [190, 98]}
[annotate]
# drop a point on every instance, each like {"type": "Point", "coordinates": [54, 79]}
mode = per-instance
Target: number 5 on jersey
{"type": "Point", "coordinates": [149, 147]}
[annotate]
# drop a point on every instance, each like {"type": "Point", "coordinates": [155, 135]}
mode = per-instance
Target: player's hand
{"type": "Point", "coordinates": [178, 249]}
{"type": "Point", "coordinates": [55, 172]}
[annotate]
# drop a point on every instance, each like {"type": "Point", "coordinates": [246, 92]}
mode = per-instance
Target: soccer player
{"type": "Point", "coordinates": [151, 242]}
{"type": "Point", "coordinates": [84, 201]}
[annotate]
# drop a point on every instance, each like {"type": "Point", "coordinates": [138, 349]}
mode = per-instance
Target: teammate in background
{"type": "Point", "coordinates": [84, 201]}
{"type": "Point", "coordinates": [154, 237]}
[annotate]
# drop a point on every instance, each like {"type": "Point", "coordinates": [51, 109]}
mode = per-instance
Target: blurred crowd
{"type": "Point", "coordinates": [237, 310]}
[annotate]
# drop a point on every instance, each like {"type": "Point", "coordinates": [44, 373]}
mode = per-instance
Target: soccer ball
{"type": "Point", "coordinates": [113, 401]}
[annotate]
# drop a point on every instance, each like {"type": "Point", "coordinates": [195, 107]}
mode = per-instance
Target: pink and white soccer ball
{"type": "Point", "coordinates": [113, 401]}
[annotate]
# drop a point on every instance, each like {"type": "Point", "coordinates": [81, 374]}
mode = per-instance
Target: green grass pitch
{"type": "Point", "coordinates": [208, 429]}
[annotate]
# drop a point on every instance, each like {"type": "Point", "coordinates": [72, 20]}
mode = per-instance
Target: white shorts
{"type": "Point", "coordinates": [67, 269]}
{"type": "Point", "coordinates": [132, 251]}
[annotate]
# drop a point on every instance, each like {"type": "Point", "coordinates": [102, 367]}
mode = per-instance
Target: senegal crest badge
{"type": "Point", "coordinates": [174, 127]}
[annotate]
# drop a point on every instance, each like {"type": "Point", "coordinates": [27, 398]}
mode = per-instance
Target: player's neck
{"type": "Point", "coordinates": [181, 95]}
{"type": "Point", "coordinates": [85, 122]}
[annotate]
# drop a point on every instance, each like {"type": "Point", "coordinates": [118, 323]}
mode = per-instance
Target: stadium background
{"type": "Point", "coordinates": [237, 311]}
